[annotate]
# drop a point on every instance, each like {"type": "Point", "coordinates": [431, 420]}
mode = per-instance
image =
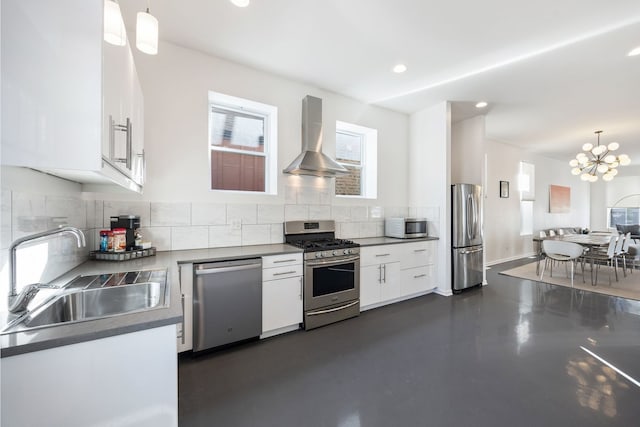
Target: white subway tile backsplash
{"type": "Point", "coordinates": [308, 196]}
{"type": "Point", "coordinates": [170, 214]}
{"type": "Point", "coordinates": [277, 233]}
{"type": "Point", "coordinates": [359, 213]}
{"type": "Point", "coordinates": [95, 214]}
{"type": "Point", "coordinates": [5, 218]}
{"type": "Point", "coordinates": [189, 237]}
{"type": "Point", "coordinates": [256, 234]}
{"type": "Point", "coordinates": [160, 237]}
{"type": "Point", "coordinates": [290, 195]}
{"type": "Point", "coordinates": [224, 235]}
{"type": "Point", "coordinates": [114, 208]}
{"type": "Point", "coordinates": [368, 229]}
{"type": "Point", "coordinates": [317, 212]}
{"type": "Point", "coordinates": [341, 213]}
{"type": "Point", "coordinates": [325, 197]}
{"type": "Point", "coordinates": [208, 213]}
{"type": "Point", "coordinates": [349, 230]}
{"type": "Point", "coordinates": [296, 212]}
{"type": "Point", "coordinates": [269, 214]}
{"type": "Point", "coordinates": [68, 210]}
{"type": "Point", "coordinates": [245, 213]}
{"type": "Point", "coordinates": [395, 211]}
{"type": "Point", "coordinates": [376, 213]}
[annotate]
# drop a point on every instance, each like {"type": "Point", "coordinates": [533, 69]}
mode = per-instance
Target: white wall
{"type": "Point", "coordinates": [176, 84]}
{"type": "Point", "coordinates": [609, 194]}
{"type": "Point", "coordinates": [502, 215]}
{"type": "Point", "coordinates": [467, 151]}
{"type": "Point", "coordinates": [429, 186]}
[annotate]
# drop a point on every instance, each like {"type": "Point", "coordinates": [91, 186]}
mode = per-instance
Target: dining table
{"type": "Point", "coordinates": [589, 241]}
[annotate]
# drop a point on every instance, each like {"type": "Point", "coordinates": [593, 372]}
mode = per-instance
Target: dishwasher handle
{"type": "Point", "coordinates": [223, 267]}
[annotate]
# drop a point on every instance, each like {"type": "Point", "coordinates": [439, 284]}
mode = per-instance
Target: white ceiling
{"type": "Point", "coordinates": [553, 71]}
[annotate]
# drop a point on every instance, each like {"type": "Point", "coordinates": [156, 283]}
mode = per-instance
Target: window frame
{"type": "Point", "coordinates": [251, 109]}
{"type": "Point", "coordinates": [368, 159]}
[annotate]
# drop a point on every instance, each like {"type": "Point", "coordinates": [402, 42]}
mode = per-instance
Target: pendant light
{"type": "Point", "coordinates": [114, 31]}
{"type": "Point", "coordinates": [598, 159]}
{"type": "Point", "coordinates": [147, 33]}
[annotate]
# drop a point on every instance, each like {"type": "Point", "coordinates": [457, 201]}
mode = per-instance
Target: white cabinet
{"type": "Point", "coordinates": [379, 278]}
{"type": "Point", "coordinates": [185, 329]}
{"type": "Point", "coordinates": [390, 273]}
{"type": "Point", "coordinates": [418, 267]}
{"type": "Point", "coordinates": [58, 97]}
{"type": "Point", "coordinates": [129, 379]}
{"type": "Point", "coordinates": [282, 293]}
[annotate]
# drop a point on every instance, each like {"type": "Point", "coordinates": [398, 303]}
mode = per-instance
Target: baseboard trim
{"type": "Point", "coordinates": [513, 258]}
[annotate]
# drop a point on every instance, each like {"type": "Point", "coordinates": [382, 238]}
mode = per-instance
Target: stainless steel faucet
{"type": "Point", "coordinates": [18, 302]}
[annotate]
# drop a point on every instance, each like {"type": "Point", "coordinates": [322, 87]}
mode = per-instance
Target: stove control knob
{"type": "Point", "coordinates": [346, 251]}
{"type": "Point", "coordinates": [318, 254]}
{"type": "Point", "coordinates": [335, 252]}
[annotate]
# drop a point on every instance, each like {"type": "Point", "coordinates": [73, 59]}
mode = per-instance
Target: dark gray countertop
{"type": "Point", "coordinates": [376, 241]}
{"type": "Point", "coordinates": [54, 336]}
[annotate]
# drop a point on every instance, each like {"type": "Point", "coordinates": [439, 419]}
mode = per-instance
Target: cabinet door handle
{"type": "Point", "coordinates": [419, 250]}
{"type": "Point", "coordinates": [380, 273]}
{"type": "Point", "coordinates": [384, 277]}
{"type": "Point", "coordinates": [419, 275]}
{"type": "Point", "coordinates": [112, 138]}
{"type": "Point", "coordinates": [379, 255]}
{"type": "Point", "coordinates": [283, 260]}
{"type": "Point", "coordinates": [129, 143]}
{"type": "Point", "coordinates": [300, 288]}
{"type": "Point", "coordinates": [284, 272]}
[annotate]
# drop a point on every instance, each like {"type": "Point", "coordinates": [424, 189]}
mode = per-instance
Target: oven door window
{"type": "Point", "coordinates": [335, 278]}
{"type": "Point", "coordinates": [415, 227]}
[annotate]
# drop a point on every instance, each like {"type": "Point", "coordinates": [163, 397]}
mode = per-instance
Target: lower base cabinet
{"type": "Point", "coordinates": [281, 303]}
{"type": "Point", "coordinates": [124, 380]}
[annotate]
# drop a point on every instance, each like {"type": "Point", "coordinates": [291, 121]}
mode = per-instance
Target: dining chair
{"type": "Point", "coordinates": [552, 233]}
{"type": "Point", "coordinates": [596, 257]}
{"type": "Point", "coordinates": [623, 252]}
{"type": "Point", "coordinates": [560, 232]}
{"type": "Point", "coordinates": [567, 252]}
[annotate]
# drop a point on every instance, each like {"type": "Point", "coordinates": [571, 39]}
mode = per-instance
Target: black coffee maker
{"type": "Point", "coordinates": [131, 223]}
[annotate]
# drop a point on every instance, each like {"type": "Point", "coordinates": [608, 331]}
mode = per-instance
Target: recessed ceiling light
{"type": "Point", "coordinates": [481, 104]}
{"type": "Point", "coordinates": [241, 3]}
{"type": "Point", "coordinates": [400, 68]}
{"type": "Point", "coordinates": [634, 52]}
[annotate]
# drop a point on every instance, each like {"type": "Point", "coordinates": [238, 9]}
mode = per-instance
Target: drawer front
{"type": "Point", "coordinates": [283, 272]}
{"type": "Point", "coordinates": [417, 254]}
{"type": "Point", "coordinates": [373, 255]}
{"type": "Point", "coordinates": [415, 280]}
{"type": "Point", "coordinates": [281, 260]}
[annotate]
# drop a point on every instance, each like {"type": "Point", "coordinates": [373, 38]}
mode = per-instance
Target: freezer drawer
{"type": "Point", "coordinates": [467, 267]}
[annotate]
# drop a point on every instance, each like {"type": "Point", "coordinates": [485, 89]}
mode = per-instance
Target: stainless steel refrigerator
{"type": "Point", "coordinates": [466, 236]}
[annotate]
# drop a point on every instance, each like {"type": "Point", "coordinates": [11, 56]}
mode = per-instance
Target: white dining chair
{"type": "Point", "coordinates": [623, 252]}
{"type": "Point", "coordinates": [552, 233]}
{"type": "Point", "coordinates": [567, 252]}
{"type": "Point", "coordinates": [560, 232]}
{"type": "Point", "coordinates": [597, 257]}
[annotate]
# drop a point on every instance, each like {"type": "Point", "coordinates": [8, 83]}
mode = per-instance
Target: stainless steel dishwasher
{"type": "Point", "coordinates": [227, 302]}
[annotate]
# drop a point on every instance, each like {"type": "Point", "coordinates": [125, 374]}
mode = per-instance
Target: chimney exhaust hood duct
{"type": "Point", "coordinates": [312, 161]}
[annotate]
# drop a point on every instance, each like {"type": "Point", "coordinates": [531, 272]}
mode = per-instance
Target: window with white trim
{"type": "Point", "coordinates": [526, 187]}
{"type": "Point", "coordinates": [357, 150]}
{"type": "Point", "coordinates": [242, 144]}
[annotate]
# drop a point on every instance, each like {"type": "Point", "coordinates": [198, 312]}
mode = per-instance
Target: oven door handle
{"type": "Point", "coordinates": [315, 263]}
{"type": "Point", "coordinates": [331, 310]}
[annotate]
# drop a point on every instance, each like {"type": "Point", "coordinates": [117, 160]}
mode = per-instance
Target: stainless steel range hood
{"type": "Point", "coordinates": [312, 161]}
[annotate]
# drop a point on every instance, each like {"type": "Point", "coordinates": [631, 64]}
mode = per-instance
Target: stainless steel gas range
{"type": "Point", "coordinates": [331, 272]}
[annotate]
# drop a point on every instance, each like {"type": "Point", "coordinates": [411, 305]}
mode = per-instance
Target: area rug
{"type": "Point", "coordinates": [626, 287]}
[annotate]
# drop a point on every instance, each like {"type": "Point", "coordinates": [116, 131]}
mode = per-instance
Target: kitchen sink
{"type": "Point", "coordinates": [89, 303]}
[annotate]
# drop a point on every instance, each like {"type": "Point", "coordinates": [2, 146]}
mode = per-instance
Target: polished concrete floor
{"type": "Point", "coordinates": [513, 353]}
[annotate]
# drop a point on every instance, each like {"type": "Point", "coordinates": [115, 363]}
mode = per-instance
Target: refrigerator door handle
{"type": "Point", "coordinates": [469, 219]}
{"type": "Point", "coordinates": [465, 252]}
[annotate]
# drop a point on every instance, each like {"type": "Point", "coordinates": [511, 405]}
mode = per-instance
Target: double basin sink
{"type": "Point", "coordinates": [95, 297]}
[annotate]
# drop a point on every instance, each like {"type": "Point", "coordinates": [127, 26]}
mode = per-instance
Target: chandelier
{"type": "Point", "coordinates": [598, 159]}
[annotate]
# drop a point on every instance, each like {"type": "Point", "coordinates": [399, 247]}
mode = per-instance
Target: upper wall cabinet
{"type": "Point", "coordinates": [72, 104]}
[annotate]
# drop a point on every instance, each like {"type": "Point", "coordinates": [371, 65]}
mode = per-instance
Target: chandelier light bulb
{"type": "Point", "coordinates": [584, 177]}
{"type": "Point", "coordinates": [593, 178]}
{"type": "Point", "coordinates": [583, 160]}
{"type": "Point", "coordinates": [241, 3]}
{"type": "Point", "coordinates": [624, 159]}
{"type": "Point", "coordinates": [613, 172]}
{"type": "Point", "coordinates": [607, 177]}
{"type": "Point", "coordinates": [613, 146]}
{"type": "Point", "coordinates": [602, 168]}
{"type": "Point", "coordinates": [610, 158]}
{"type": "Point", "coordinates": [576, 171]}
{"type": "Point", "coordinates": [573, 163]}
{"type": "Point", "coordinates": [587, 147]}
